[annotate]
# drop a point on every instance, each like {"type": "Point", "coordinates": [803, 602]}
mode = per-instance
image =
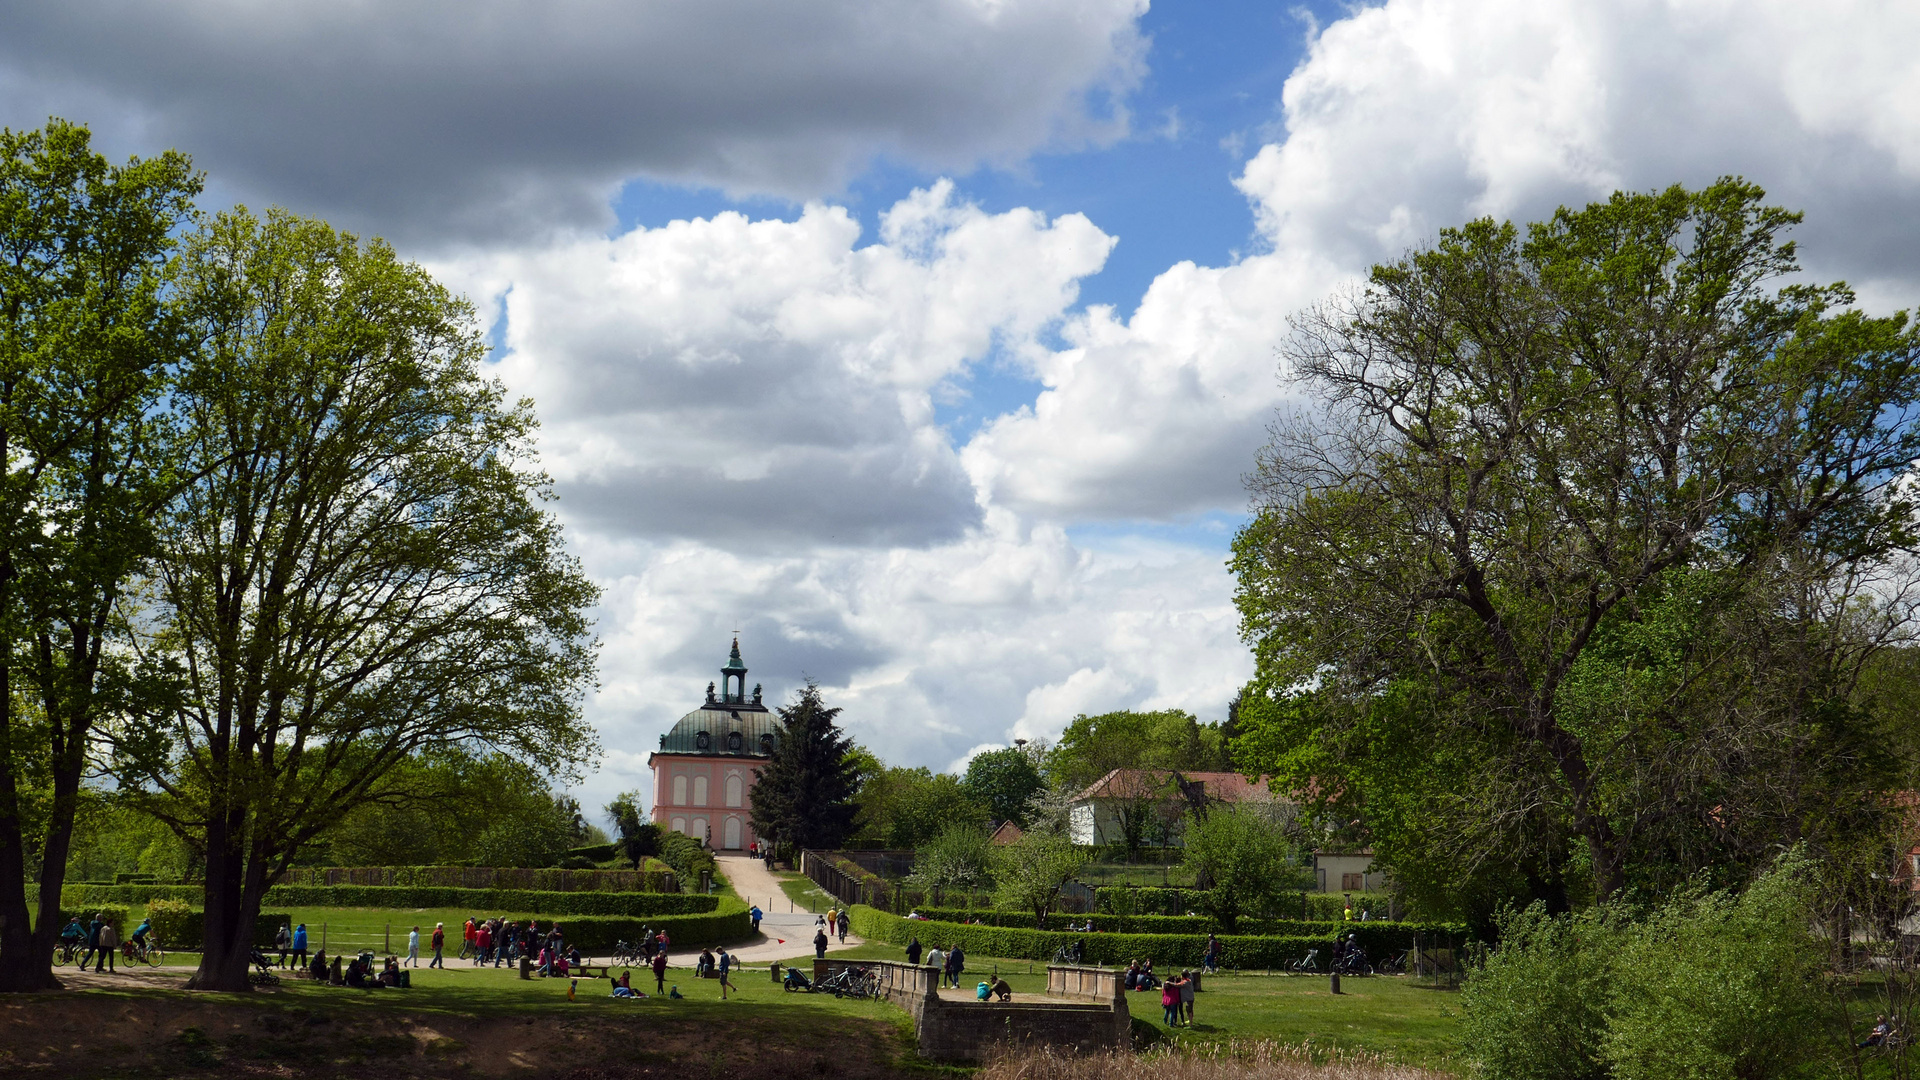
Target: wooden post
{"type": "Point", "coordinates": [323, 937]}
{"type": "Point", "coordinates": [1335, 976]}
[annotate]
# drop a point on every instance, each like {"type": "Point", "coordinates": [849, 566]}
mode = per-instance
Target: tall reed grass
{"type": "Point", "coordinates": [1262, 1060]}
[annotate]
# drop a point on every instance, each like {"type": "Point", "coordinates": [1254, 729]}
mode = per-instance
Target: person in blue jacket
{"type": "Point", "coordinates": [300, 943]}
{"type": "Point", "coordinates": [754, 914]}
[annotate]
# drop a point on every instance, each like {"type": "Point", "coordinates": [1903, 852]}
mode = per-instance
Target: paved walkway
{"type": "Point", "coordinates": [757, 885]}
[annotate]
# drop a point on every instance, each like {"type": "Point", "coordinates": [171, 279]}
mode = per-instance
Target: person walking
{"type": "Point", "coordinates": [413, 947]}
{"type": "Point", "coordinates": [283, 944]}
{"type": "Point", "coordinates": [819, 944]}
{"type": "Point", "coordinates": [109, 941]}
{"type": "Point", "coordinates": [956, 963]}
{"type": "Point", "coordinates": [439, 942]}
{"type": "Point", "coordinates": [482, 944]}
{"type": "Point", "coordinates": [93, 940]}
{"type": "Point", "coordinates": [844, 921]}
{"type": "Point", "coordinates": [1186, 995]}
{"type": "Point", "coordinates": [937, 960]}
{"type": "Point", "coordinates": [466, 940]}
{"type": "Point", "coordinates": [913, 951]}
{"type": "Point", "coordinates": [724, 963]}
{"type": "Point", "coordinates": [299, 957]}
{"type": "Point", "coordinates": [754, 914]}
{"type": "Point", "coordinates": [660, 971]}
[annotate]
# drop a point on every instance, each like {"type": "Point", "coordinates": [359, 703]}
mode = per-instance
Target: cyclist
{"type": "Point", "coordinates": [138, 940]}
{"type": "Point", "coordinates": [73, 937]}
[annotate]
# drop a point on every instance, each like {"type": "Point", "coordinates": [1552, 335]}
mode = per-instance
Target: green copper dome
{"type": "Point", "coordinates": [729, 724]}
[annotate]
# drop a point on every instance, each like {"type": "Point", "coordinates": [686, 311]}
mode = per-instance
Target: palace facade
{"type": "Point", "coordinates": [706, 765]}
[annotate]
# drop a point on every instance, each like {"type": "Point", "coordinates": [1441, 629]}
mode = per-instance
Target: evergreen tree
{"type": "Point", "coordinates": [804, 795]}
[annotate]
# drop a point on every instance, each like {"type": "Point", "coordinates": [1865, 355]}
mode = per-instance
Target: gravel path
{"type": "Point", "coordinates": [756, 885]}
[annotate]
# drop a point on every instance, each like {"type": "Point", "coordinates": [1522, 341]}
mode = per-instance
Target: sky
{"type": "Point", "coordinates": [926, 344]}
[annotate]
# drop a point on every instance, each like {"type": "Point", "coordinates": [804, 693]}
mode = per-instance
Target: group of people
{"type": "Point", "coordinates": [834, 921]}
{"type": "Point", "coordinates": [497, 941]}
{"type": "Point", "coordinates": [357, 973]}
{"type": "Point", "coordinates": [291, 944]}
{"type": "Point", "coordinates": [101, 939]}
{"type": "Point", "coordinates": [951, 962]}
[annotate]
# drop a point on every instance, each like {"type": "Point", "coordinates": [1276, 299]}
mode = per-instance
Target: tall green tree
{"type": "Point", "coordinates": [360, 570]}
{"type": "Point", "coordinates": [1003, 781]}
{"type": "Point", "coordinates": [1029, 872]}
{"type": "Point", "coordinates": [88, 348]}
{"type": "Point", "coordinates": [804, 795]}
{"type": "Point", "coordinates": [636, 836]}
{"type": "Point", "coordinates": [1093, 746]}
{"type": "Point", "coordinates": [1246, 860]}
{"type": "Point", "coordinates": [1620, 511]}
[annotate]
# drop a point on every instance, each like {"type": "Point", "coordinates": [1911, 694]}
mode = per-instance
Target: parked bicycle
{"type": "Point", "coordinates": [853, 982]}
{"type": "Point", "coordinates": [1394, 965]}
{"type": "Point", "coordinates": [1069, 954]}
{"type": "Point", "coordinates": [625, 953]}
{"type": "Point", "coordinates": [1308, 964]}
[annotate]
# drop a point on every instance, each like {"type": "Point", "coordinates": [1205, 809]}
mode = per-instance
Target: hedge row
{"type": "Point", "coordinates": [1165, 950]}
{"type": "Point", "coordinates": [597, 934]}
{"type": "Point", "coordinates": [1379, 939]}
{"type": "Point", "coordinates": [653, 876]}
{"type": "Point", "coordinates": [485, 901]}
{"type": "Point", "coordinates": [1313, 907]}
{"type": "Point", "coordinates": [178, 930]}
{"type": "Point", "coordinates": [1130, 924]}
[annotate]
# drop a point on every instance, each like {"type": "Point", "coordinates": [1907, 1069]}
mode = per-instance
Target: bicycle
{"type": "Point", "coordinates": [1354, 963]}
{"type": "Point", "coordinates": [1308, 964]}
{"type": "Point", "coordinates": [854, 982]}
{"type": "Point", "coordinates": [1394, 965]}
{"type": "Point", "coordinates": [66, 952]}
{"type": "Point", "coordinates": [149, 953]}
{"type": "Point", "coordinates": [1067, 954]}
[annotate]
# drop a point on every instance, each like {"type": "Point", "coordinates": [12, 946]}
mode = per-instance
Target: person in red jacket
{"type": "Point", "coordinates": [483, 943]}
{"type": "Point", "coordinates": [466, 940]}
{"type": "Point", "coordinates": [660, 971]}
{"type": "Point", "coordinates": [439, 942]}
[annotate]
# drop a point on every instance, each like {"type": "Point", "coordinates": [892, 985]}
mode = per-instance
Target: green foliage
{"type": "Point", "coordinates": [89, 353]}
{"type": "Point", "coordinates": [1709, 985]}
{"type": "Point", "coordinates": [903, 808]}
{"type": "Point", "coordinates": [1537, 1010]}
{"type": "Point", "coordinates": [1185, 950]}
{"type": "Point", "coordinates": [687, 856]}
{"type": "Point", "coordinates": [174, 921]}
{"type": "Point", "coordinates": [451, 805]}
{"type": "Point", "coordinates": [1092, 746]}
{"type": "Point", "coordinates": [598, 933]}
{"type": "Point", "coordinates": [636, 837]}
{"type": "Point", "coordinates": [1028, 873]}
{"type": "Point", "coordinates": [653, 876]}
{"type": "Point", "coordinates": [1003, 781]}
{"type": "Point", "coordinates": [958, 858]}
{"type": "Point", "coordinates": [803, 796]}
{"type": "Point", "coordinates": [1247, 859]}
{"type": "Point", "coordinates": [402, 897]}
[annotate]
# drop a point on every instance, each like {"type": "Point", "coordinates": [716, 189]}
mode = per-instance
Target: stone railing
{"type": "Point", "coordinates": [1094, 983]}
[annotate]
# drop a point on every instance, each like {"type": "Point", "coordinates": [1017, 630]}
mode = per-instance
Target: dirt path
{"type": "Point", "coordinates": [751, 879]}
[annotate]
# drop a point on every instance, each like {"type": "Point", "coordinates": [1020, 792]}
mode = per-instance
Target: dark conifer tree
{"type": "Point", "coordinates": [804, 795]}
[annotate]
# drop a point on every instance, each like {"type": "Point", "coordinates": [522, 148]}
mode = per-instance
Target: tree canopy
{"type": "Point", "coordinates": [1002, 781]}
{"type": "Point", "coordinates": [1569, 566]}
{"type": "Point", "coordinates": [1093, 746]}
{"type": "Point", "coordinates": [804, 795]}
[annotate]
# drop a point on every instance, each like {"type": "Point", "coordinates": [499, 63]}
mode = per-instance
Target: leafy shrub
{"type": "Point", "coordinates": [115, 914]}
{"type": "Point", "coordinates": [1536, 1010]}
{"type": "Point", "coordinates": [687, 856]}
{"type": "Point", "coordinates": [174, 921]}
{"type": "Point", "coordinates": [501, 901]}
{"type": "Point", "coordinates": [652, 876]}
{"type": "Point", "coordinates": [1129, 924]}
{"type": "Point", "coordinates": [592, 853]}
{"type": "Point", "coordinates": [1708, 986]}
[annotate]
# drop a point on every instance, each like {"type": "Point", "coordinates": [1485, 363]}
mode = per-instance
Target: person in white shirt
{"type": "Point", "coordinates": [413, 948]}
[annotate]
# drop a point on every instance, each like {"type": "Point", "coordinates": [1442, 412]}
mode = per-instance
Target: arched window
{"type": "Point", "coordinates": [734, 741]}
{"type": "Point", "coordinates": [680, 825]}
{"type": "Point", "coordinates": [733, 789]}
{"type": "Point", "coordinates": [733, 834]}
{"type": "Point", "coordinates": [699, 791]}
{"type": "Point", "coordinates": [703, 741]}
{"type": "Point", "coordinates": [699, 830]}
{"type": "Point", "coordinates": [679, 794]}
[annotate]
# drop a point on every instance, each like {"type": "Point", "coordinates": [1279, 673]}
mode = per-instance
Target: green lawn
{"type": "Point", "coordinates": [806, 896]}
{"type": "Point", "coordinates": [1382, 1015]}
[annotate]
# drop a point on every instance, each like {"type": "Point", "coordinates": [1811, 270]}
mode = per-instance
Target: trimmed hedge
{"type": "Point", "coordinates": [490, 901]}
{"type": "Point", "coordinates": [1312, 906]}
{"type": "Point", "coordinates": [1182, 950]}
{"type": "Point", "coordinates": [598, 934]}
{"type": "Point", "coordinates": [654, 876]}
{"type": "Point", "coordinates": [1130, 924]}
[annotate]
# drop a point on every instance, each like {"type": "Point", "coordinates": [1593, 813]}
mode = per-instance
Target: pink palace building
{"type": "Point", "coordinates": [706, 765]}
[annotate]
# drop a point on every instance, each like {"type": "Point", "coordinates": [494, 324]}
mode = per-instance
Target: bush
{"type": "Point", "coordinates": [527, 901]}
{"type": "Point", "coordinates": [115, 914]}
{"type": "Point", "coordinates": [1709, 985]}
{"type": "Point", "coordinates": [593, 853]}
{"type": "Point", "coordinates": [175, 922]}
{"type": "Point", "coordinates": [1131, 924]}
{"type": "Point", "coordinates": [687, 856]}
{"type": "Point", "coordinates": [1536, 1010]}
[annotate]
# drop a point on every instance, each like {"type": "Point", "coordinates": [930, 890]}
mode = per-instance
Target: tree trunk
{"type": "Point", "coordinates": [228, 941]}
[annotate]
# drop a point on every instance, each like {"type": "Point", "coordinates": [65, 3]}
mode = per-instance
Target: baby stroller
{"type": "Point", "coordinates": [796, 981]}
{"type": "Point", "coordinates": [262, 974]}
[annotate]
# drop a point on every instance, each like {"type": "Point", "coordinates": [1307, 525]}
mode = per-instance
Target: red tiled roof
{"type": "Point", "coordinates": [1006, 834]}
{"type": "Point", "coordinates": [1127, 783]}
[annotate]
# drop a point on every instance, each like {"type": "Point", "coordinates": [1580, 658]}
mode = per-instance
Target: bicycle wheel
{"type": "Point", "coordinates": [62, 956]}
{"type": "Point", "coordinates": [153, 955]}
